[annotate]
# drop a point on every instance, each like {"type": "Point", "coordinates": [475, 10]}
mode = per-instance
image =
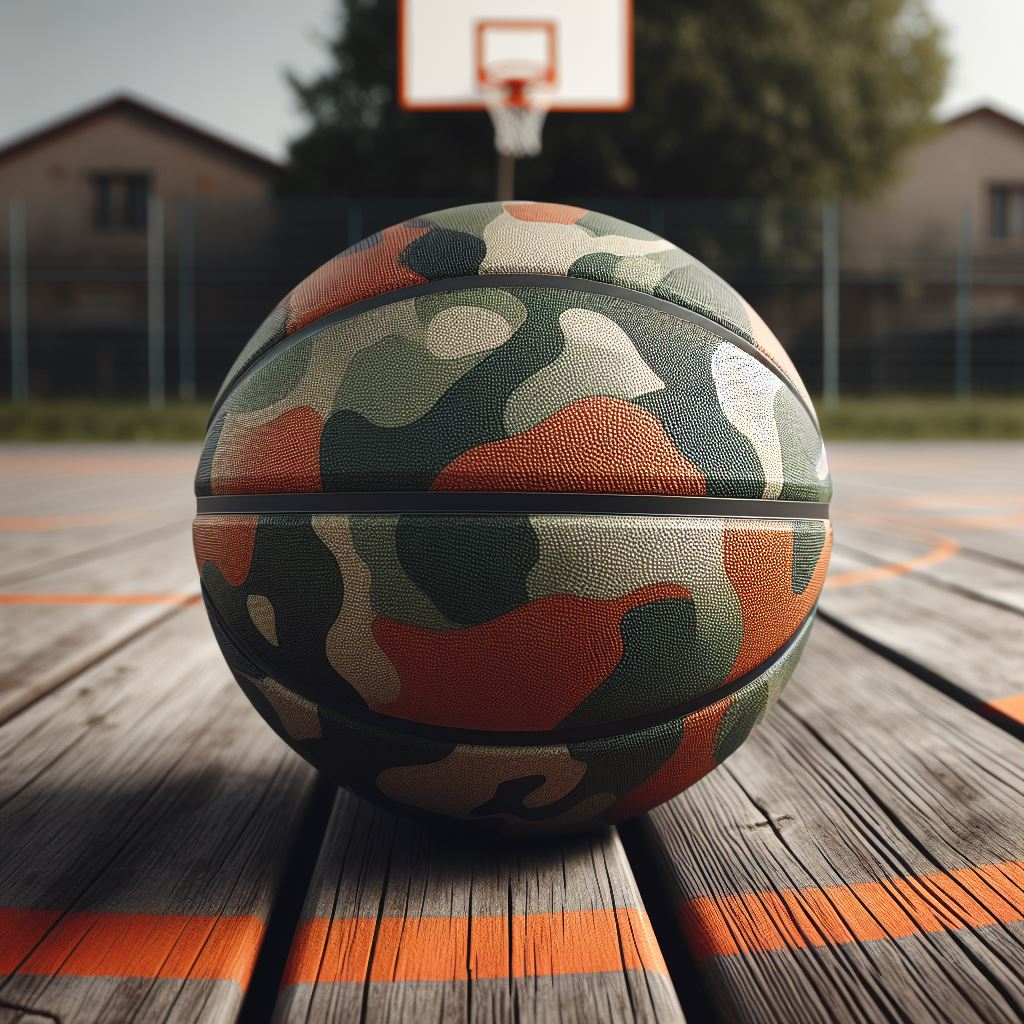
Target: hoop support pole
{"type": "Point", "coordinates": [506, 183]}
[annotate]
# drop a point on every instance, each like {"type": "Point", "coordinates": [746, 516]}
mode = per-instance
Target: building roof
{"type": "Point", "coordinates": [985, 112]}
{"type": "Point", "coordinates": [127, 104]}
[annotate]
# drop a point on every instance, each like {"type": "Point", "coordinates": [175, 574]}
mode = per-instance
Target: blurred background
{"type": "Point", "coordinates": [169, 172]}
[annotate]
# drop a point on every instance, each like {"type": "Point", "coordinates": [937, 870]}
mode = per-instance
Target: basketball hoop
{"type": "Point", "coordinates": [518, 108]}
{"type": "Point", "coordinates": [518, 60]}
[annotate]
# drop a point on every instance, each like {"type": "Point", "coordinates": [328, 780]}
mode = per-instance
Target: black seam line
{"type": "Point", "coordinates": [482, 281]}
{"type": "Point", "coordinates": [496, 738]}
{"type": "Point", "coordinates": [505, 502]}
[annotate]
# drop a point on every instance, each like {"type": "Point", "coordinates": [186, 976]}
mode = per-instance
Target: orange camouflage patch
{"type": "Point", "coordinates": [354, 275]}
{"type": "Point", "coordinates": [545, 213]}
{"type": "Point", "coordinates": [593, 445]}
{"type": "Point", "coordinates": [692, 759]}
{"type": "Point", "coordinates": [759, 564]}
{"type": "Point", "coordinates": [280, 456]}
{"type": "Point", "coordinates": [227, 542]}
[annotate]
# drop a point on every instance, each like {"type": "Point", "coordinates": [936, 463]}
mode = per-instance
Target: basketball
{"type": "Point", "coordinates": [514, 514]}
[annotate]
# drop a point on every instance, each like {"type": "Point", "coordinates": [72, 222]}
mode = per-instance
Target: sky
{"type": "Point", "coordinates": [222, 62]}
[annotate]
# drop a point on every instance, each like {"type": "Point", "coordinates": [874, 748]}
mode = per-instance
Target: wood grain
{"type": "Point", "coordinates": [970, 492]}
{"type": "Point", "coordinates": [63, 505]}
{"type": "Point", "coordinates": [859, 859]}
{"type": "Point", "coordinates": [80, 528]}
{"type": "Point", "coordinates": [956, 619]}
{"type": "Point", "coordinates": [998, 583]}
{"type": "Point", "coordinates": [146, 815]}
{"type": "Point", "coordinates": [969, 644]}
{"type": "Point", "coordinates": [63, 621]}
{"type": "Point", "coordinates": [407, 922]}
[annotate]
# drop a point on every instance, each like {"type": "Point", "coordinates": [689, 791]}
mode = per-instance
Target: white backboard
{"type": "Point", "coordinates": [582, 48]}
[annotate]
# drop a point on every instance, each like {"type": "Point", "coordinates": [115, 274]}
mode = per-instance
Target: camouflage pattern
{"type": "Point", "coordinates": [430, 632]}
{"type": "Point", "coordinates": [513, 787]}
{"type": "Point", "coordinates": [527, 672]}
{"type": "Point", "coordinates": [513, 238]}
{"type": "Point", "coordinates": [515, 389]}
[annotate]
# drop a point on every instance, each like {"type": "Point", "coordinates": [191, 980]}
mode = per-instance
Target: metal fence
{"type": "Point", "coordinates": [162, 312]}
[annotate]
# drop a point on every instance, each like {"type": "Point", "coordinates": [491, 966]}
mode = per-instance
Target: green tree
{"type": "Point", "coordinates": [752, 98]}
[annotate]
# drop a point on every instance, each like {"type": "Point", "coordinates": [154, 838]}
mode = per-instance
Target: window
{"type": "Point", "coordinates": [120, 200]}
{"type": "Point", "coordinates": [1007, 211]}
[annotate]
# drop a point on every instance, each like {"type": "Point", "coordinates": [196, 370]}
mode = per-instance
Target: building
{"type": "Point", "coordinates": [87, 177]}
{"type": "Point", "coordinates": [934, 265]}
{"type": "Point", "coordinates": [86, 183]}
{"type": "Point", "coordinates": [941, 247]}
{"type": "Point", "coordinates": [967, 176]}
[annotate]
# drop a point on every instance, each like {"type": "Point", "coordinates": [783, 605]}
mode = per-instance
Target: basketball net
{"type": "Point", "coordinates": [518, 108]}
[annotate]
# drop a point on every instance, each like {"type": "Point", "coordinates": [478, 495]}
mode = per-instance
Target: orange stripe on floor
{"type": "Point", "coordinates": [129, 945]}
{"type": "Point", "coordinates": [1009, 707]}
{"type": "Point", "coordinates": [457, 948]}
{"type": "Point", "coordinates": [83, 465]}
{"type": "Point", "coordinates": [179, 599]}
{"type": "Point", "coordinates": [765, 921]}
{"type": "Point", "coordinates": [944, 549]}
{"type": "Point", "coordinates": [44, 524]}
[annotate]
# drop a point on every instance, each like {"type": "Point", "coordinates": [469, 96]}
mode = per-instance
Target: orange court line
{"type": "Point", "coordinates": [764, 921]}
{"type": "Point", "coordinates": [119, 945]}
{"type": "Point", "coordinates": [39, 524]}
{"type": "Point", "coordinates": [1010, 707]}
{"type": "Point", "coordinates": [113, 466]}
{"type": "Point", "coordinates": [457, 948]}
{"type": "Point", "coordinates": [33, 524]}
{"type": "Point", "coordinates": [120, 599]}
{"type": "Point", "coordinates": [944, 549]}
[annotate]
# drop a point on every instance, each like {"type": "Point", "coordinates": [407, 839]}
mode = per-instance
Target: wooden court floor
{"type": "Point", "coordinates": [163, 857]}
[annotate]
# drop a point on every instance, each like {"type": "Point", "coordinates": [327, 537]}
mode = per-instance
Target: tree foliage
{"type": "Point", "coordinates": [752, 98]}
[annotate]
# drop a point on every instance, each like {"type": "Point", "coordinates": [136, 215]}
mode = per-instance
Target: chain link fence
{"type": "Point", "coordinates": [163, 310]}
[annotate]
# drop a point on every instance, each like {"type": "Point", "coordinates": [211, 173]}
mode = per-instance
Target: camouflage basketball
{"type": "Point", "coordinates": [514, 514]}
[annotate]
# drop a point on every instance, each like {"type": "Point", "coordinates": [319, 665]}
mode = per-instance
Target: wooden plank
{"type": "Point", "coordinates": [94, 548]}
{"type": "Point", "coordinates": [963, 644]}
{"type": "Point", "coordinates": [860, 858]}
{"type": "Point", "coordinates": [86, 475]}
{"type": "Point", "coordinates": [1004, 547]}
{"type": "Point", "coordinates": [914, 465]}
{"type": "Point", "coordinates": [56, 624]}
{"type": "Point", "coordinates": [49, 473]}
{"type": "Point", "coordinates": [26, 556]}
{"type": "Point", "coordinates": [146, 813]}
{"type": "Point", "coordinates": [408, 923]}
{"type": "Point", "coordinates": [59, 505]}
{"type": "Point", "coordinates": [967, 492]}
{"type": "Point", "coordinates": [48, 536]}
{"type": "Point", "coordinates": [91, 461]}
{"type": "Point", "coordinates": [937, 559]}
{"type": "Point", "coordinates": [31, 488]}
{"type": "Point", "coordinates": [993, 535]}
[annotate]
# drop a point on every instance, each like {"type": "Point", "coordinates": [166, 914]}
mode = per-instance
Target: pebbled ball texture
{"type": "Point", "coordinates": [528, 672]}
